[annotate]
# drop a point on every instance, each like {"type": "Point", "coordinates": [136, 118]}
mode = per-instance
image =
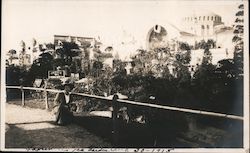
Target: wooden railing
{"type": "Point", "coordinates": [193, 111]}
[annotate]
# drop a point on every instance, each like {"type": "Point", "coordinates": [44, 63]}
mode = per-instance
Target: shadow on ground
{"type": "Point", "coordinates": [94, 131]}
{"type": "Point", "coordinates": [69, 136]}
{"type": "Point", "coordinates": [129, 135]}
{"type": "Point", "coordinates": [136, 135]}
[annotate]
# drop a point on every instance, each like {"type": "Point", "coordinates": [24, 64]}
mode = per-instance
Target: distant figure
{"type": "Point", "coordinates": [62, 102]}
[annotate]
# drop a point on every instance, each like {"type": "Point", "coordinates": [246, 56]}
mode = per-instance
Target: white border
{"type": "Point", "coordinates": [3, 89]}
{"type": "Point", "coordinates": [246, 76]}
{"type": "Point", "coordinates": [246, 107]}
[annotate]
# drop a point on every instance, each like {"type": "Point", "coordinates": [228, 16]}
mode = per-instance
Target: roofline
{"type": "Point", "coordinates": [73, 36]}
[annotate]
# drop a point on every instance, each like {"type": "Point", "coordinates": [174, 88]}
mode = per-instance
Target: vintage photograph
{"type": "Point", "coordinates": [141, 76]}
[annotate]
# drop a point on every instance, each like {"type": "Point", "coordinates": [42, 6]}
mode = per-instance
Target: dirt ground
{"type": "Point", "coordinates": [34, 128]}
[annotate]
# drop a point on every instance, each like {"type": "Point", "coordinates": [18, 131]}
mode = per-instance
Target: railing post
{"type": "Point", "coordinates": [114, 119]}
{"type": "Point", "coordinates": [46, 99]}
{"type": "Point", "coordinates": [23, 96]}
{"type": "Point", "coordinates": [46, 96]}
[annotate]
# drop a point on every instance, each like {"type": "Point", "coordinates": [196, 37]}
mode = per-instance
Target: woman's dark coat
{"type": "Point", "coordinates": [61, 109]}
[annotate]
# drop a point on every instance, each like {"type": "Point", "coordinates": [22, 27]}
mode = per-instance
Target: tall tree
{"type": "Point", "coordinates": [41, 66]}
{"type": "Point", "coordinates": [203, 79]}
{"type": "Point", "coordinates": [238, 40]}
{"type": "Point", "coordinates": [23, 47]}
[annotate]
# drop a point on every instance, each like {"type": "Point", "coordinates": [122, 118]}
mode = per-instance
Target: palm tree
{"type": "Point", "coordinates": [12, 52]}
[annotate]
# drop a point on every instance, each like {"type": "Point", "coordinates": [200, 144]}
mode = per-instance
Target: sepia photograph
{"type": "Point", "coordinates": [125, 76]}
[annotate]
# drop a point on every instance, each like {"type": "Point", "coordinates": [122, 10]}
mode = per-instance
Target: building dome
{"type": "Point", "coordinates": [201, 22]}
{"type": "Point", "coordinates": [202, 15]}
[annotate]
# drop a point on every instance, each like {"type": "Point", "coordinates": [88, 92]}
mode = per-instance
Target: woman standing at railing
{"type": "Point", "coordinates": [62, 102]}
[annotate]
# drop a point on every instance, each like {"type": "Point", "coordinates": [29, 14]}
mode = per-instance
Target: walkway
{"type": "Point", "coordinates": [33, 128]}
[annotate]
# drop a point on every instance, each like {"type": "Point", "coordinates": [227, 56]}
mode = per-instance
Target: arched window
{"type": "Point", "coordinates": [199, 17]}
{"type": "Point", "coordinates": [215, 18]}
{"type": "Point", "coordinates": [212, 18]}
{"type": "Point", "coordinates": [208, 18]}
{"type": "Point", "coordinates": [207, 26]}
{"type": "Point", "coordinates": [204, 18]}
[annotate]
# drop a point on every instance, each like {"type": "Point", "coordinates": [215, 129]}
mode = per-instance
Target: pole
{"type": "Point", "coordinates": [46, 96]}
{"type": "Point", "coordinates": [114, 119]}
{"type": "Point", "coordinates": [46, 99]}
{"type": "Point", "coordinates": [23, 96]}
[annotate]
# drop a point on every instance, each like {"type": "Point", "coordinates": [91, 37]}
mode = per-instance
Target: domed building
{"type": "Point", "coordinates": [202, 23]}
{"type": "Point", "coordinates": [198, 26]}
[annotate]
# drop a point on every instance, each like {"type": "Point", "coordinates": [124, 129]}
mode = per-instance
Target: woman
{"type": "Point", "coordinates": [62, 102]}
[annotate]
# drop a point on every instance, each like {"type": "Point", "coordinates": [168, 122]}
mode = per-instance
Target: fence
{"type": "Point", "coordinates": [125, 101]}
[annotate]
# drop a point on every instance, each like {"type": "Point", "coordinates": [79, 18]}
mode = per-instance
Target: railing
{"type": "Point", "coordinates": [229, 116]}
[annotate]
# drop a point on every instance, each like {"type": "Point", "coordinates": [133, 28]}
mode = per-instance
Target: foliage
{"type": "Point", "coordinates": [12, 54]}
{"type": "Point", "coordinates": [50, 46]}
{"type": "Point", "coordinates": [203, 79]}
{"type": "Point", "coordinates": [97, 67]}
{"type": "Point", "coordinates": [238, 40]}
{"type": "Point", "coordinates": [41, 66]}
{"type": "Point", "coordinates": [67, 51]}
{"type": "Point", "coordinates": [23, 46]}
{"type": "Point", "coordinates": [41, 48]}
{"type": "Point", "coordinates": [13, 75]}
{"type": "Point", "coordinates": [210, 43]}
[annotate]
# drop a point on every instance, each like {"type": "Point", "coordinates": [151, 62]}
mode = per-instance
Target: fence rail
{"type": "Point", "coordinates": [193, 111]}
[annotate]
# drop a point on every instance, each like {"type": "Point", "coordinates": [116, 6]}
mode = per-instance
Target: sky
{"type": "Point", "coordinates": [113, 21]}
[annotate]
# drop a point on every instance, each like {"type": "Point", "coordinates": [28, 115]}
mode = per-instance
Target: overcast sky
{"type": "Point", "coordinates": [111, 20]}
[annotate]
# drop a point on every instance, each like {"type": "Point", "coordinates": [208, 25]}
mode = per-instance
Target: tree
{"type": "Point", "coordinates": [202, 44]}
{"type": "Point", "coordinates": [211, 43]}
{"type": "Point", "coordinates": [65, 54]}
{"type": "Point", "coordinates": [23, 47]}
{"type": "Point", "coordinates": [41, 66]}
{"type": "Point", "coordinates": [183, 46]}
{"type": "Point", "coordinates": [97, 66]}
{"type": "Point", "coordinates": [207, 57]}
{"type": "Point", "coordinates": [203, 80]}
{"type": "Point", "coordinates": [184, 54]}
{"type": "Point", "coordinates": [34, 43]}
{"type": "Point", "coordinates": [238, 40]}
{"type": "Point", "coordinates": [12, 53]}
{"type": "Point", "coordinates": [41, 48]}
{"type": "Point", "coordinates": [50, 46]}
{"type": "Point", "coordinates": [12, 75]}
